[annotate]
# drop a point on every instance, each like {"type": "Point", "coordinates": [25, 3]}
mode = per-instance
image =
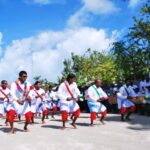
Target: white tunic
{"type": "Point", "coordinates": [122, 95]}
{"type": "Point", "coordinates": [142, 85]}
{"type": "Point", "coordinates": [17, 94]}
{"type": "Point", "coordinates": [51, 99]}
{"type": "Point", "coordinates": [63, 94]}
{"type": "Point", "coordinates": [4, 101]}
{"type": "Point", "coordinates": [37, 104]}
{"type": "Point", "coordinates": [92, 97]}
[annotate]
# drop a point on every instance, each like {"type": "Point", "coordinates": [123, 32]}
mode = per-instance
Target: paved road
{"type": "Point", "coordinates": [115, 135]}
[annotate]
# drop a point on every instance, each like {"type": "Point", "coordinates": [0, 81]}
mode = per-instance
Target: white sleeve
{"type": "Point", "coordinates": [13, 92]}
{"type": "Point", "coordinates": [43, 94]}
{"type": "Point", "coordinates": [28, 85]}
{"type": "Point", "coordinates": [54, 96]}
{"type": "Point", "coordinates": [103, 93]}
{"type": "Point", "coordinates": [61, 92]}
{"type": "Point", "coordinates": [120, 94]}
{"type": "Point", "coordinates": [132, 92]}
{"type": "Point", "coordinates": [91, 94]}
{"type": "Point", "coordinates": [31, 94]}
{"type": "Point", "coordinates": [77, 92]}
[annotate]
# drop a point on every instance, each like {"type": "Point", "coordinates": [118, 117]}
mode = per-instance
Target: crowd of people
{"type": "Point", "coordinates": [22, 98]}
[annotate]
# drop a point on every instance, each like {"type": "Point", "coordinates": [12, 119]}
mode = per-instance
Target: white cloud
{"type": "Point", "coordinates": [95, 7]}
{"type": "Point", "coordinates": [99, 7]}
{"type": "Point", "coordinates": [44, 53]}
{"type": "Point", "coordinates": [43, 2]}
{"type": "Point", "coordinates": [133, 3]}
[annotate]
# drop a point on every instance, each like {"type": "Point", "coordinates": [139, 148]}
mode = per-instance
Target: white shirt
{"type": "Point", "coordinates": [142, 84]}
{"type": "Point", "coordinates": [16, 94]}
{"type": "Point", "coordinates": [33, 94]}
{"type": "Point", "coordinates": [7, 92]}
{"type": "Point", "coordinates": [93, 95]}
{"type": "Point", "coordinates": [122, 94]}
{"type": "Point", "coordinates": [50, 95]}
{"type": "Point", "coordinates": [63, 93]}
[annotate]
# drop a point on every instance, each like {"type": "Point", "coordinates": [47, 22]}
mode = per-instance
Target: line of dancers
{"type": "Point", "coordinates": [22, 98]}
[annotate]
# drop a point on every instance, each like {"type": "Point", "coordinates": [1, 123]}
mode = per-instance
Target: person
{"type": "Point", "coordinates": [68, 94]}
{"type": "Point", "coordinates": [38, 98]}
{"type": "Point", "coordinates": [142, 85]}
{"type": "Point", "coordinates": [147, 98]}
{"type": "Point", "coordinates": [4, 99]}
{"type": "Point", "coordinates": [21, 101]}
{"type": "Point", "coordinates": [147, 84]}
{"type": "Point", "coordinates": [124, 100]}
{"type": "Point", "coordinates": [95, 95]}
{"type": "Point", "coordinates": [51, 99]}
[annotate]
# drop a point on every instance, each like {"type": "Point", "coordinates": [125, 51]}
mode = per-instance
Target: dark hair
{"type": "Point", "coordinates": [70, 76]}
{"type": "Point", "coordinates": [96, 80]}
{"type": "Point", "coordinates": [50, 86]}
{"type": "Point", "coordinates": [127, 79]}
{"type": "Point", "coordinates": [2, 82]}
{"type": "Point", "coordinates": [37, 82]}
{"type": "Point", "coordinates": [22, 72]}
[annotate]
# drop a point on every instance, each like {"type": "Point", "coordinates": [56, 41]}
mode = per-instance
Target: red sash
{"type": "Point", "coordinates": [4, 94]}
{"type": "Point", "coordinates": [69, 91]}
{"type": "Point", "coordinates": [38, 94]}
{"type": "Point", "coordinates": [24, 91]}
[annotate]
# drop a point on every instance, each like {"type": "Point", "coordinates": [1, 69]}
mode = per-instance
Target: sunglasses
{"type": "Point", "coordinates": [4, 83]}
{"type": "Point", "coordinates": [24, 76]}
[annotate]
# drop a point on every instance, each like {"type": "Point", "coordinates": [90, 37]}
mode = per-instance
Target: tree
{"type": "Point", "coordinates": [44, 82]}
{"type": "Point", "coordinates": [133, 52]}
{"type": "Point", "coordinates": [90, 66]}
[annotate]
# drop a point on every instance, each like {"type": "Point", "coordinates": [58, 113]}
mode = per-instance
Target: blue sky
{"type": "Point", "coordinates": [20, 18]}
{"type": "Point", "coordinates": [52, 28]}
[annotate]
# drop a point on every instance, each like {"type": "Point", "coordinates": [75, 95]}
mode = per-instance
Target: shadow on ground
{"type": "Point", "coordinates": [6, 130]}
{"type": "Point", "coordinates": [140, 123]}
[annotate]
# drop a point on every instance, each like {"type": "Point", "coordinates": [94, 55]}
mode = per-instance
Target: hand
{"type": "Point", "coordinates": [36, 96]}
{"type": "Point", "coordinates": [102, 98]}
{"type": "Point", "coordinates": [69, 98]}
{"type": "Point", "coordinates": [20, 102]}
{"type": "Point", "coordinates": [2, 99]}
{"type": "Point", "coordinates": [54, 100]}
{"type": "Point", "coordinates": [137, 97]}
{"type": "Point", "coordinates": [28, 98]}
{"type": "Point", "coordinates": [134, 99]}
{"type": "Point", "coordinates": [98, 100]}
{"type": "Point", "coordinates": [129, 97]}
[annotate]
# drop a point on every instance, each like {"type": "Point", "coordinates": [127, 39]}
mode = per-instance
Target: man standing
{"type": "Point", "coordinates": [124, 100]}
{"type": "Point", "coordinates": [95, 95]}
{"type": "Point", "coordinates": [51, 99]}
{"type": "Point", "coordinates": [38, 104]}
{"type": "Point", "coordinates": [4, 98]}
{"type": "Point", "coordinates": [21, 101]}
{"type": "Point", "coordinates": [68, 94]}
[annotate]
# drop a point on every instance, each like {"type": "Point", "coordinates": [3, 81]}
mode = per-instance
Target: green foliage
{"type": "Point", "coordinates": [90, 66]}
{"type": "Point", "coordinates": [133, 52]}
{"type": "Point", "coordinates": [44, 82]}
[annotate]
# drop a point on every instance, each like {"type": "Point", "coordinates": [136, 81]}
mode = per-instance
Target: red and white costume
{"type": "Point", "coordinates": [93, 94]}
{"type": "Point", "coordinates": [5, 98]}
{"type": "Point", "coordinates": [68, 90]}
{"type": "Point", "coordinates": [19, 91]}
{"type": "Point", "coordinates": [38, 104]}
{"type": "Point", "coordinates": [51, 100]}
{"type": "Point", "coordinates": [122, 100]}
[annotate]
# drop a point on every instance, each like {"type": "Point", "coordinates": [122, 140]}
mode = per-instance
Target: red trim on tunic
{"type": "Point", "coordinates": [76, 113]}
{"type": "Point", "coordinates": [93, 116]}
